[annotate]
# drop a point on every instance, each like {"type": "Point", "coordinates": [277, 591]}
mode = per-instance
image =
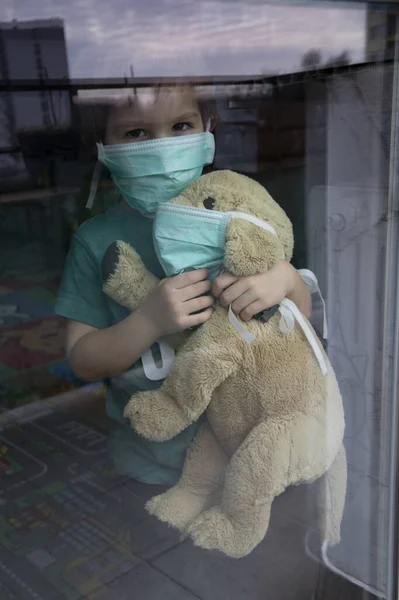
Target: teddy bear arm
{"type": "Point", "coordinates": [201, 365]}
{"type": "Point", "coordinates": [129, 283]}
{"type": "Point", "coordinates": [185, 395]}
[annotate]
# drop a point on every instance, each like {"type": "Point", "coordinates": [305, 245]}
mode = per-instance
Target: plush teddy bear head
{"type": "Point", "coordinates": [249, 248]}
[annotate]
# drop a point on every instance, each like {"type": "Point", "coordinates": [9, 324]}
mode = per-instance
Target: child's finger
{"type": "Point", "coordinates": [233, 292]}
{"type": "Point", "coordinates": [251, 310]}
{"type": "Point", "coordinates": [243, 301]}
{"type": "Point", "coordinates": [222, 282]}
{"type": "Point", "coordinates": [185, 279]}
{"type": "Point", "coordinates": [199, 318]}
{"type": "Point", "coordinates": [192, 306]}
{"type": "Point", "coordinates": [194, 290]}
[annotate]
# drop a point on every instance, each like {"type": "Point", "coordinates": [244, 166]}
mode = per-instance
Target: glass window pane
{"type": "Point", "coordinates": [137, 144]}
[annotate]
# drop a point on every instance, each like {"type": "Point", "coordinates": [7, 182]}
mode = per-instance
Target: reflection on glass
{"type": "Point", "coordinates": [219, 37]}
{"type": "Point", "coordinates": [304, 99]}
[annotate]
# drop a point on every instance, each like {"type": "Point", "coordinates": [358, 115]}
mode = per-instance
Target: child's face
{"type": "Point", "coordinates": [172, 112]}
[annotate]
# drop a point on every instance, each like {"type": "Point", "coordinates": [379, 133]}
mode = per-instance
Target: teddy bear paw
{"type": "Point", "coordinates": [178, 507]}
{"type": "Point", "coordinates": [138, 412]}
{"type": "Point", "coordinates": [214, 530]}
{"type": "Point", "coordinates": [154, 417]}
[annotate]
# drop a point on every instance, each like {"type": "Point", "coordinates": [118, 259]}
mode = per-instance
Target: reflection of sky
{"type": "Point", "coordinates": [164, 37]}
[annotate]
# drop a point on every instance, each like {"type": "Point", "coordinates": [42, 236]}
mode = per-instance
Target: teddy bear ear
{"type": "Point", "coordinates": [268, 211]}
{"type": "Point", "coordinates": [274, 216]}
{"type": "Point", "coordinates": [250, 249]}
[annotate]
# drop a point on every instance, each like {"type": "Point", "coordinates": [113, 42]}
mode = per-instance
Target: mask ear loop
{"type": "Point", "coordinates": [96, 177]}
{"type": "Point", "coordinates": [310, 280]}
{"type": "Point", "coordinates": [94, 184]}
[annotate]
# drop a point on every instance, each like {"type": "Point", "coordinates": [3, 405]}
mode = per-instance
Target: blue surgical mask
{"type": "Point", "coordinates": [186, 237]}
{"type": "Point", "coordinates": [150, 173]}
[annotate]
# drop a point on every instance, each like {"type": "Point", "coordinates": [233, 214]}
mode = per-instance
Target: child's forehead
{"type": "Point", "coordinates": [156, 104]}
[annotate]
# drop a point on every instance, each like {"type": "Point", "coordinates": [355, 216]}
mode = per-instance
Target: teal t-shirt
{"type": "Point", "coordinates": [81, 298]}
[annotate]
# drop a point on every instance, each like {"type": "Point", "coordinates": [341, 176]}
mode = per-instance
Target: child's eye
{"type": "Point", "coordinates": [136, 133]}
{"type": "Point", "coordinates": [182, 126]}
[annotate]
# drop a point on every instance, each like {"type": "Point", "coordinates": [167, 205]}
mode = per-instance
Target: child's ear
{"type": "Point", "coordinates": [250, 249]}
{"type": "Point", "coordinates": [213, 123]}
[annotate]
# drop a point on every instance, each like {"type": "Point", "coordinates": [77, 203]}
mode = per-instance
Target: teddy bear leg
{"type": "Point", "coordinates": [256, 474]}
{"type": "Point", "coordinates": [331, 498]}
{"type": "Point", "coordinates": [199, 486]}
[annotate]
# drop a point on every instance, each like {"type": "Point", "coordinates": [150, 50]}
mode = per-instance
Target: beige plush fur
{"type": "Point", "coordinates": [272, 419]}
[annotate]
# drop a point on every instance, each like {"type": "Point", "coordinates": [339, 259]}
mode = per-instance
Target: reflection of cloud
{"type": "Point", "coordinates": [162, 37]}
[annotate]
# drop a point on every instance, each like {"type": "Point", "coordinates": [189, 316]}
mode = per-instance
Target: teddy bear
{"type": "Point", "coordinates": [273, 410]}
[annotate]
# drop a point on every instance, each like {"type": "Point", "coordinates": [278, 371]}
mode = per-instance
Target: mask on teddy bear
{"type": "Point", "coordinates": [187, 237]}
{"type": "Point", "coordinates": [152, 172]}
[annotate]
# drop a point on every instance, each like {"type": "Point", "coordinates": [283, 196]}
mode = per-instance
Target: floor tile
{"type": "Point", "coordinates": [143, 583]}
{"type": "Point", "coordinates": [20, 580]}
{"type": "Point", "coordinates": [299, 503]}
{"type": "Point", "coordinates": [146, 491]}
{"type": "Point", "coordinates": [148, 536]}
{"type": "Point", "coordinates": [277, 569]}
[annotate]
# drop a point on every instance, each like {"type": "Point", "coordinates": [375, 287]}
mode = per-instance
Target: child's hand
{"type": "Point", "coordinates": [170, 306]}
{"type": "Point", "coordinates": [251, 295]}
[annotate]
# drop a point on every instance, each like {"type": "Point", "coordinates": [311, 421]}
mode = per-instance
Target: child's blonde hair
{"type": "Point", "coordinates": [93, 112]}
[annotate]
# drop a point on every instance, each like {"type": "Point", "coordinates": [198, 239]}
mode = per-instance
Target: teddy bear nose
{"type": "Point", "coordinates": [209, 203]}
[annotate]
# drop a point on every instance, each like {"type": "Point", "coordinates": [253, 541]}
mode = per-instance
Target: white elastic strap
{"type": "Point", "coordinates": [151, 370]}
{"type": "Point", "coordinates": [94, 184]}
{"type": "Point", "coordinates": [246, 335]}
{"type": "Point", "coordinates": [255, 221]}
{"type": "Point", "coordinates": [287, 305]}
{"type": "Point", "coordinates": [287, 321]}
{"type": "Point", "coordinates": [312, 284]}
{"type": "Point", "coordinates": [289, 312]}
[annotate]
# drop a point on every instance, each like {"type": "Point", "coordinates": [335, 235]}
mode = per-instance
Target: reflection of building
{"type": "Point", "coordinates": [30, 51]}
{"type": "Point", "coordinates": [382, 32]}
{"type": "Point", "coordinates": [237, 132]}
{"type": "Point", "coordinates": [35, 50]}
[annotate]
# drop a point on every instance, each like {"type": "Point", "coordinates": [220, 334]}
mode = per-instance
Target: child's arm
{"type": "Point", "coordinates": [300, 294]}
{"type": "Point", "coordinates": [251, 295]}
{"type": "Point", "coordinates": [96, 354]}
